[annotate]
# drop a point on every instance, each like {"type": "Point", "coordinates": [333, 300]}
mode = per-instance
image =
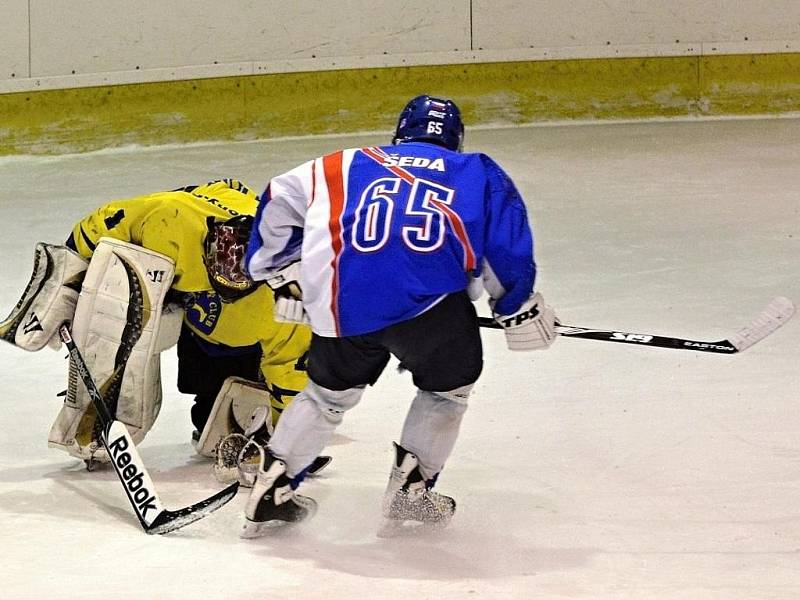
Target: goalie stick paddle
{"type": "Point", "coordinates": [777, 312]}
{"type": "Point", "coordinates": [130, 468]}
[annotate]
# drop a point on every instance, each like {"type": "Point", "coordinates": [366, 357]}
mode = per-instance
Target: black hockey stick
{"type": "Point", "coordinates": [129, 466]}
{"type": "Point", "coordinates": [777, 312]}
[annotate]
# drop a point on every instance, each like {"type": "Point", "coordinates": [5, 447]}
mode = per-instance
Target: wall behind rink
{"type": "Point", "coordinates": [82, 75]}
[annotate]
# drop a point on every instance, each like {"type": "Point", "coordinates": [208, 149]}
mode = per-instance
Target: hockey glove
{"type": "Point", "coordinates": [285, 284]}
{"type": "Point", "coordinates": [530, 328]}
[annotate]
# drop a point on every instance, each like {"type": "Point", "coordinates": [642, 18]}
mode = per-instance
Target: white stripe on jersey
{"type": "Point", "coordinates": [319, 256]}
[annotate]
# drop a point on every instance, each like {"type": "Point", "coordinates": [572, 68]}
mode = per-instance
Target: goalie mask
{"type": "Point", "coordinates": [225, 248]}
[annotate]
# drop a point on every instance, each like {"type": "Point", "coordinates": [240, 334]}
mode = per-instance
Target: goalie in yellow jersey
{"type": "Point", "coordinates": [139, 275]}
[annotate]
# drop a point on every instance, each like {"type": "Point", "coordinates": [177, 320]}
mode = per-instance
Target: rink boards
{"type": "Point", "coordinates": [350, 100]}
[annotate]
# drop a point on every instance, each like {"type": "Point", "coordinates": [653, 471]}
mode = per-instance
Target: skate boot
{"type": "Point", "coordinates": [273, 503]}
{"type": "Point", "coordinates": [409, 505]}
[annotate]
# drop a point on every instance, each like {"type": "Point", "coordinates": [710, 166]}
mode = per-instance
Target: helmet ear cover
{"type": "Point", "coordinates": [433, 120]}
{"type": "Point", "coordinates": [224, 252]}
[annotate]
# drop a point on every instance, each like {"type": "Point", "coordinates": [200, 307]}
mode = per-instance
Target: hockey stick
{"type": "Point", "coordinates": [777, 312]}
{"type": "Point", "coordinates": [129, 465]}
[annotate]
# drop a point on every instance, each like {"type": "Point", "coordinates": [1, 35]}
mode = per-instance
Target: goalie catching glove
{"type": "Point", "coordinates": [239, 455]}
{"type": "Point", "coordinates": [532, 327]}
{"type": "Point", "coordinates": [285, 283]}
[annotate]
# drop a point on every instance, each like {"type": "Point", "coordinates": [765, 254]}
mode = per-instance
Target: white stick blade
{"type": "Point", "coordinates": [133, 474]}
{"type": "Point", "coordinates": [778, 312]}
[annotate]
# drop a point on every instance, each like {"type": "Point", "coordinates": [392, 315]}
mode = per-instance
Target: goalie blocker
{"type": "Point", "coordinates": [120, 327]}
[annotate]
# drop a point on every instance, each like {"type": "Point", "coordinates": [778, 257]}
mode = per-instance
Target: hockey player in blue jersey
{"type": "Point", "coordinates": [381, 249]}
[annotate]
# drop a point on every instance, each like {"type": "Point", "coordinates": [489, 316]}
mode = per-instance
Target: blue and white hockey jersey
{"type": "Point", "coordinates": [384, 233]}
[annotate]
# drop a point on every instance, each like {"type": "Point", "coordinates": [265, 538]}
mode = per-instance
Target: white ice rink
{"type": "Point", "coordinates": [590, 471]}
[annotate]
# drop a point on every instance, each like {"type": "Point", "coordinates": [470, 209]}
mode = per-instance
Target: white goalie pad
{"type": "Point", "coordinates": [120, 327]}
{"type": "Point", "coordinates": [49, 298]}
{"type": "Point", "coordinates": [232, 411]}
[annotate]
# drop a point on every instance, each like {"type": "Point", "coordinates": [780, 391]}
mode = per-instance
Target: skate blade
{"type": "Point", "coordinates": [256, 529]}
{"type": "Point", "coordinates": [319, 464]}
{"type": "Point", "coordinates": [94, 465]}
{"type": "Point", "coordinates": [253, 529]}
{"type": "Point", "coordinates": [392, 528]}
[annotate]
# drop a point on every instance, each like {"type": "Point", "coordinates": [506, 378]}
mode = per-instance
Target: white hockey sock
{"type": "Point", "coordinates": [431, 429]}
{"type": "Point", "coordinates": [306, 426]}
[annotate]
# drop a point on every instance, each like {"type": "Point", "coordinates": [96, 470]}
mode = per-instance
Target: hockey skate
{"type": "Point", "coordinates": [273, 503]}
{"type": "Point", "coordinates": [409, 505]}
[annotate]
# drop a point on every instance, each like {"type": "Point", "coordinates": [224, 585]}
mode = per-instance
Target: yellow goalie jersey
{"type": "Point", "coordinates": [174, 223]}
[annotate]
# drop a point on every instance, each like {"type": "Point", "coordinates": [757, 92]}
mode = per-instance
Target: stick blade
{"type": "Point", "coordinates": [777, 313]}
{"type": "Point", "coordinates": [170, 520]}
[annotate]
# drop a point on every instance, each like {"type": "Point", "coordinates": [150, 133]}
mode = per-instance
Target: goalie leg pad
{"type": "Point", "coordinates": [232, 410]}
{"type": "Point", "coordinates": [169, 329]}
{"type": "Point", "coordinates": [49, 298]}
{"type": "Point", "coordinates": [116, 327]}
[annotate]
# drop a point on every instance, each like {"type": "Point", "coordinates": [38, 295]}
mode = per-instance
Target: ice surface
{"type": "Point", "coordinates": [589, 471]}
